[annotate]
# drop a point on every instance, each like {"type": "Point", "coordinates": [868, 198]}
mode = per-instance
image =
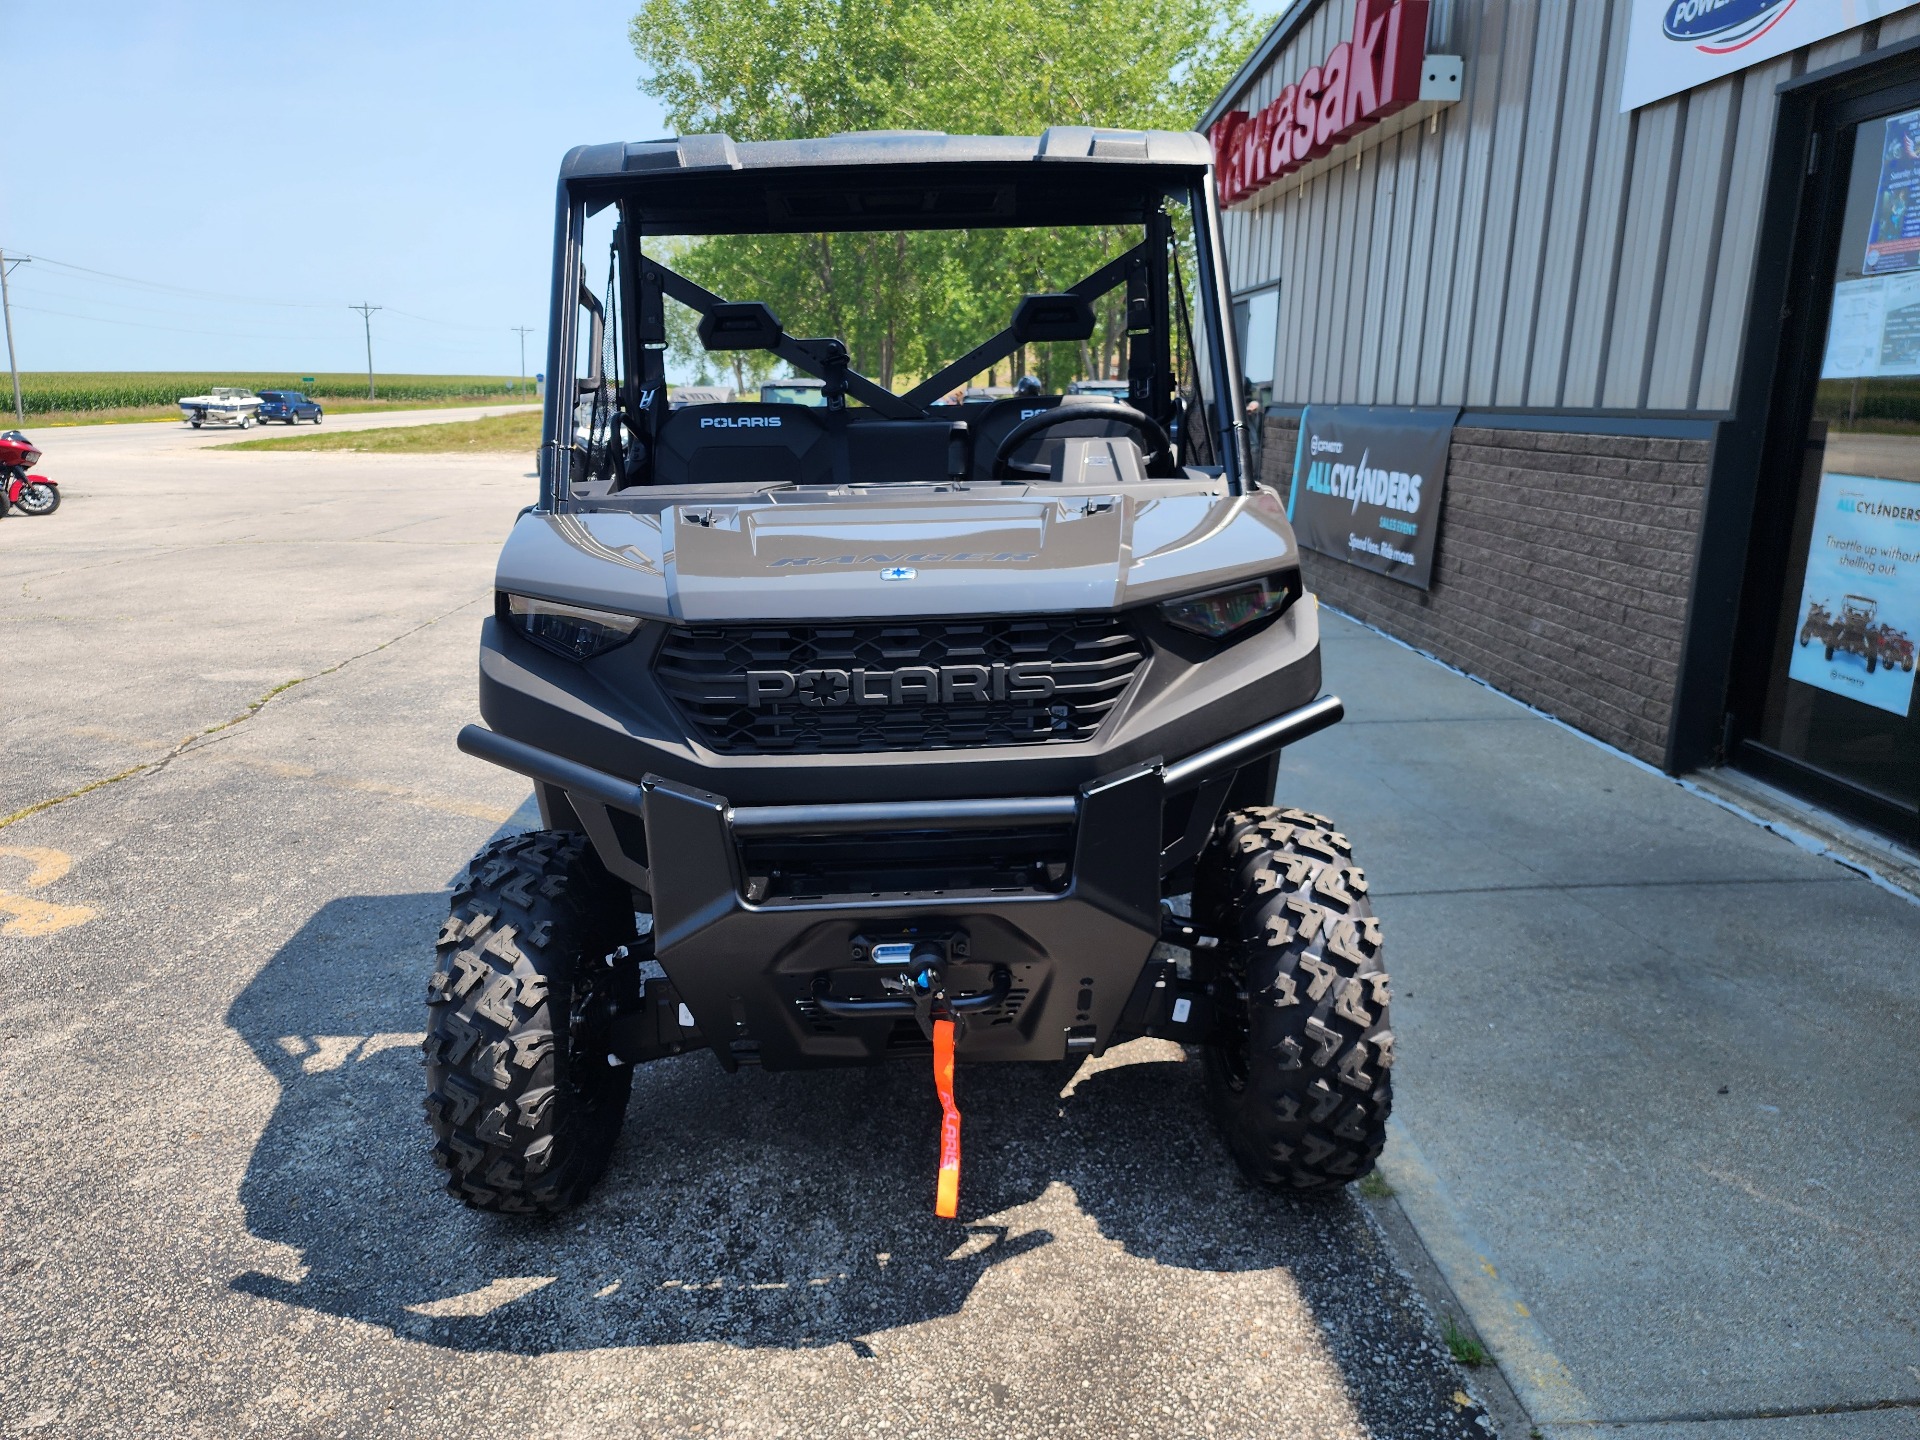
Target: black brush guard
{"type": "Point", "coordinates": [1036, 970]}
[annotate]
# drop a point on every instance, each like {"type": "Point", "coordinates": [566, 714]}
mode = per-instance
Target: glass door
{"type": "Point", "coordinates": [1256, 327]}
{"type": "Point", "coordinates": [1830, 703]}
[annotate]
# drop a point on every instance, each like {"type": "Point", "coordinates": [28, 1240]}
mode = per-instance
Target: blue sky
{"type": "Point", "coordinates": [287, 160]}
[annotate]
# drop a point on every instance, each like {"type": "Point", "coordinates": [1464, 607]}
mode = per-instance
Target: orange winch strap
{"type": "Point", "coordinates": [946, 1203]}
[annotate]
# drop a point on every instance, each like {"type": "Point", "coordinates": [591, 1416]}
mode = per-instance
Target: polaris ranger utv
{"type": "Point", "coordinates": [900, 727]}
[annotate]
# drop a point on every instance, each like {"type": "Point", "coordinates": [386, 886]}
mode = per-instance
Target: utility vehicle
{"type": "Point", "coordinates": [889, 728]}
{"type": "Point", "coordinates": [1857, 630]}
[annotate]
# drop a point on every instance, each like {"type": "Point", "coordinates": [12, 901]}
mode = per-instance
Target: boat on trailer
{"type": "Point", "coordinates": [223, 405]}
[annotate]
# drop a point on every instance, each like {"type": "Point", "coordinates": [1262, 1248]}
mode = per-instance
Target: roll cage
{"type": "Point", "coordinates": [611, 429]}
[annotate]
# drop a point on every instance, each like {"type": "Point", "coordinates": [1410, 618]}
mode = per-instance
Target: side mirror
{"type": "Point", "coordinates": [1040, 318]}
{"type": "Point", "coordinates": [596, 341]}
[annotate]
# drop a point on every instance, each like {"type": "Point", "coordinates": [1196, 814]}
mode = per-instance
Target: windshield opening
{"type": "Point", "coordinates": [976, 355]}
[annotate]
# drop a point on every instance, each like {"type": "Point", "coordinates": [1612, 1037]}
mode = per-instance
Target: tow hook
{"type": "Point", "coordinates": [946, 1194]}
{"type": "Point", "coordinates": [929, 992]}
{"type": "Point", "coordinates": [919, 988]}
{"type": "Point", "coordinates": [934, 1013]}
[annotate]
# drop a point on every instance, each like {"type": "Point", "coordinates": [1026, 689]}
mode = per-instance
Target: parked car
{"type": "Point", "coordinates": [681, 396]}
{"type": "Point", "coordinates": [289, 406]}
{"type": "Point", "coordinates": [795, 392]}
{"type": "Point", "coordinates": [1111, 389]}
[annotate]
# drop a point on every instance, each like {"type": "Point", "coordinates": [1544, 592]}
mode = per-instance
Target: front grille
{"type": "Point", "coordinates": [1089, 661]}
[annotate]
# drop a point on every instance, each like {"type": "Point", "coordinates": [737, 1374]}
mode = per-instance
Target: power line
{"type": "Point", "coordinates": [449, 324]}
{"type": "Point", "coordinates": [366, 317]}
{"type": "Point", "coordinates": [180, 310]}
{"type": "Point", "coordinates": [449, 347]}
{"type": "Point", "coordinates": [523, 331]}
{"type": "Point", "coordinates": [229, 298]}
{"type": "Point", "coordinates": [178, 289]}
{"type": "Point", "coordinates": [6, 308]}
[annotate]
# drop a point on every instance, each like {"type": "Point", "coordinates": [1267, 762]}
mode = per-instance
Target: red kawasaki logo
{"type": "Point", "coordinates": [1363, 81]}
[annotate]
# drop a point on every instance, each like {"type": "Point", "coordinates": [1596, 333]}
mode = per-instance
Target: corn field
{"type": "Point", "coordinates": [48, 391]}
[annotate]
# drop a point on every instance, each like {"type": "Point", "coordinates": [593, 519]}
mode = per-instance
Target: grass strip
{"type": "Point", "coordinates": [170, 414]}
{"type": "Point", "coordinates": [517, 433]}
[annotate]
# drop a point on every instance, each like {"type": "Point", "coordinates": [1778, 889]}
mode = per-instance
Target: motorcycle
{"type": "Point", "coordinates": [31, 494]}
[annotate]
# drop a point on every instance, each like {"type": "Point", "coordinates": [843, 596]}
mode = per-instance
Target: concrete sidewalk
{"type": "Point", "coordinates": [1658, 1113]}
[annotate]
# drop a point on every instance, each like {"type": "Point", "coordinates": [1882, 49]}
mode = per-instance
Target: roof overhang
{"type": "Point", "coordinates": [892, 180]}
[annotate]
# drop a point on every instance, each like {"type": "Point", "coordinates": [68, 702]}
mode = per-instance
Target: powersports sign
{"type": "Point", "coordinates": [1674, 45]}
{"type": "Point", "coordinates": [1367, 483]}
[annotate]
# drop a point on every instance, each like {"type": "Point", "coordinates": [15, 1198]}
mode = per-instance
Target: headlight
{"type": "Point", "coordinates": [1218, 613]}
{"type": "Point", "coordinates": [575, 631]}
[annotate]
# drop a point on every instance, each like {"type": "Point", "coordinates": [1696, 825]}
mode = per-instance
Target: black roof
{"type": "Point", "coordinates": [891, 179]}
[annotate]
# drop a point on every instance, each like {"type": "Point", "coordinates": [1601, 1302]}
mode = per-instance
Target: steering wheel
{"type": "Point", "coordinates": [1153, 436]}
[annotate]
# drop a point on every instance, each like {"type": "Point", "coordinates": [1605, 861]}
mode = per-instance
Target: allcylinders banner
{"type": "Point", "coordinates": [1367, 484]}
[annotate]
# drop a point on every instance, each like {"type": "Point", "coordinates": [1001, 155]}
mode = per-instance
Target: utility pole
{"type": "Point", "coordinates": [523, 331]}
{"type": "Point", "coordinates": [366, 315]}
{"type": "Point", "coordinates": [6, 307]}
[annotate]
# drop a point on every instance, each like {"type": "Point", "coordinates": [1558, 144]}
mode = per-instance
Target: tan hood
{"type": "Point", "coordinates": [871, 556]}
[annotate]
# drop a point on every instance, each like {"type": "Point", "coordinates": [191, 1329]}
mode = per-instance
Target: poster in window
{"type": "Point", "coordinates": [1893, 235]}
{"type": "Point", "coordinates": [1859, 617]}
{"type": "Point", "coordinates": [1874, 328]}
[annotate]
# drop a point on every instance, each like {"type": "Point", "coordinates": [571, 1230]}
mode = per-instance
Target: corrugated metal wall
{"type": "Point", "coordinates": [1531, 246]}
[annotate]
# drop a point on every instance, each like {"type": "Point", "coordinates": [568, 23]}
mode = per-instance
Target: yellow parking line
{"type": "Point", "coordinates": [30, 917]}
{"type": "Point", "coordinates": [1519, 1346]}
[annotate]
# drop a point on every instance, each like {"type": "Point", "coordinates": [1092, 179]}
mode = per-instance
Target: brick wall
{"type": "Point", "coordinates": [1561, 575]}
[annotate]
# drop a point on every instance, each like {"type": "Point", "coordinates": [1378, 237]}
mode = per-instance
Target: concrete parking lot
{"type": "Point", "coordinates": [228, 700]}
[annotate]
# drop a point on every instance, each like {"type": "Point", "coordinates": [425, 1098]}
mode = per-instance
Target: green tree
{"type": "Point", "coordinates": [798, 69]}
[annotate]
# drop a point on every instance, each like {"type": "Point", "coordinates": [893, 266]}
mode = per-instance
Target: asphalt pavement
{"type": "Point", "coordinates": [231, 688]}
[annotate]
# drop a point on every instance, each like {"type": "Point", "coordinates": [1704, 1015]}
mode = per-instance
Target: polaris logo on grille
{"type": "Point", "coordinates": [910, 685]}
{"type": "Point", "coordinates": [739, 422]}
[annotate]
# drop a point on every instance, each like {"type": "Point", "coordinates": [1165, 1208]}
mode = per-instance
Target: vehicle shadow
{"type": "Point", "coordinates": [757, 1210]}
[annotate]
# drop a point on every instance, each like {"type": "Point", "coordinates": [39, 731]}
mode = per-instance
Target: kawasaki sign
{"type": "Point", "coordinates": [1365, 78]}
{"type": "Point", "coordinates": [1675, 45]}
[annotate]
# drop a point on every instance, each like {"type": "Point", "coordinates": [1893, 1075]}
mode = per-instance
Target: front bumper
{"type": "Point", "coordinates": [781, 975]}
{"type": "Point", "coordinates": [611, 712]}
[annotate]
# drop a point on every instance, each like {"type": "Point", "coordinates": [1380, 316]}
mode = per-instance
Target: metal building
{"type": "Point", "coordinates": [1611, 234]}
